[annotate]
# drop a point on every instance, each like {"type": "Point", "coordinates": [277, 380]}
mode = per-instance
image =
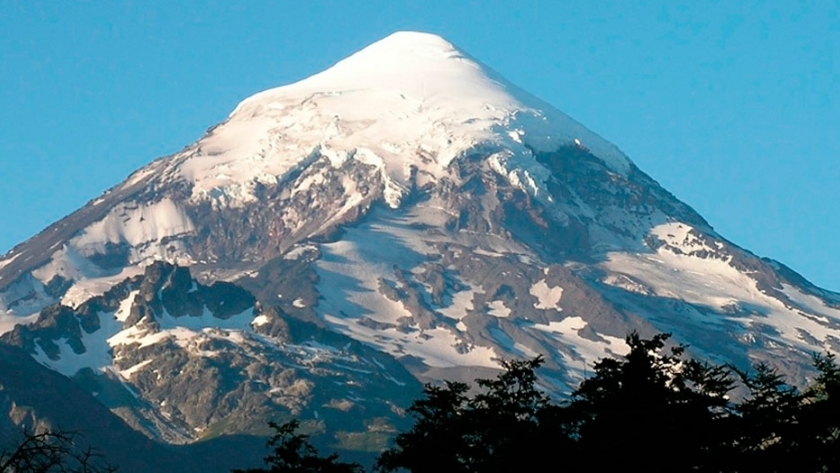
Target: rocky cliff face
{"type": "Point", "coordinates": [406, 211]}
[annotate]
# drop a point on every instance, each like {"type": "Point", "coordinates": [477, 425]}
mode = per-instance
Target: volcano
{"type": "Point", "coordinates": [405, 215]}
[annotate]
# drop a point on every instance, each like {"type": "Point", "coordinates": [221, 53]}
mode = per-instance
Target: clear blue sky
{"type": "Point", "coordinates": [732, 106]}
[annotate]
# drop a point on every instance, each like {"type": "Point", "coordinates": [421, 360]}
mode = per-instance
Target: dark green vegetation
{"type": "Point", "coordinates": [654, 408]}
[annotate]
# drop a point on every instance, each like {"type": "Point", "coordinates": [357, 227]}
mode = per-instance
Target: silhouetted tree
{"type": "Point", "coordinates": [494, 430]}
{"type": "Point", "coordinates": [51, 452]}
{"type": "Point", "coordinates": [649, 403]}
{"type": "Point", "coordinates": [767, 426]}
{"type": "Point", "coordinates": [440, 427]}
{"type": "Point", "coordinates": [821, 415]}
{"type": "Point", "coordinates": [293, 453]}
{"type": "Point", "coordinates": [805, 426]}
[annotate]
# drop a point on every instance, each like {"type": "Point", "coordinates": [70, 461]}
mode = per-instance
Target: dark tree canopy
{"type": "Point", "coordinates": [294, 454]}
{"type": "Point", "coordinates": [650, 403]}
{"type": "Point", "coordinates": [485, 432]}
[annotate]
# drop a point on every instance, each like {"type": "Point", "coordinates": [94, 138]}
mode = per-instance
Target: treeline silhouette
{"type": "Point", "coordinates": [652, 410]}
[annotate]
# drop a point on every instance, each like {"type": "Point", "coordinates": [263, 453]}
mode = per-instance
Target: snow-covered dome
{"type": "Point", "coordinates": [409, 100]}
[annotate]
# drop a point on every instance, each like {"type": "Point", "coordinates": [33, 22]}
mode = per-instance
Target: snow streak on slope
{"type": "Point", "coordinates": [678, 273]}
{"type": "Point", "coordinates": [8, 322]}
{"type": "Point", "coordinates": [350, 273]}
{"type": "Point", "coordinates": [8, 261]}
{"type": "Point", "coordinates": [135, 225]}
{"type": "Point", "coordinates": [586, 351]}
{"type": "Point", "coordinates": [88, 287]}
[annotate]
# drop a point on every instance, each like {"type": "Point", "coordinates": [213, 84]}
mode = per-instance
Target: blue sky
{"type": "Point", "coordinates": [732, 106]}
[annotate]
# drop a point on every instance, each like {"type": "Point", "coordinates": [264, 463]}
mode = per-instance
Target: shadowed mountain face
{"type": "Point", "coordinates": [406, 214]}
{"type": "Point", "coordinates": [34, 398]}
{"type": "Point", "coordinates": [180, 362]}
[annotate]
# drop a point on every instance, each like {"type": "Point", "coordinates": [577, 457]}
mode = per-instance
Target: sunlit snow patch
{"type": "Point", "coordinates": [586, 351]}
{"type": "Point", "coordinates": [135, 224]}
{"type": "Point", "coordinates": [8, 321]}
{"type": "Point", "coordinates": [9, 261]}
{"type": "Point", "coordinates": [438, 347]}
{"type": "Point", "coordinates": [462, 302]}
{"type": "Point", "coordinates": [498, 309]}
{"type": "Point", "coordinates": [547, 297]}
{"type": "Point", "coordinates": [714, 283]}
{"type": "Point", "coordinates": [86, 288]}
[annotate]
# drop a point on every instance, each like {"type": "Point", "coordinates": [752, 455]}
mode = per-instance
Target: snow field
{"type": "Point", "coordinates": [714, 283]}
{"type": "Point", "coordinates": [408, 96]}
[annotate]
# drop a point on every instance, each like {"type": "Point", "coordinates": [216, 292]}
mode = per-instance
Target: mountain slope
{"type": "Point", "coordinates": [410, 199]}
{"type": "Point", "coordinates": [32, 397]}
{"type": "Point", "coordinates": [180, 361]}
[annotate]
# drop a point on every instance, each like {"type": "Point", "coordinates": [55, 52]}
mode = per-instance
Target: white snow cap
{"type": "Point", "coordinates": [403, 97]}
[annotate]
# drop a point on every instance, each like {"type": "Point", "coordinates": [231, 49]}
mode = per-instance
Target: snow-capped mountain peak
{"type": "Point", "coordinates": [411, 102]}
